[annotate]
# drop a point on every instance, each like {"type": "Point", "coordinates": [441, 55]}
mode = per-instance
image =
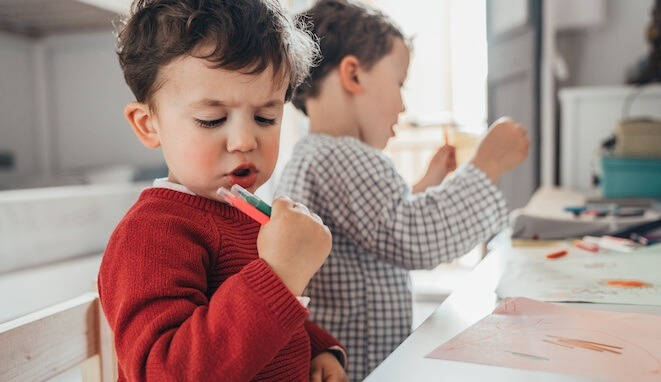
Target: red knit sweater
{"type": "Point", "coordinates": [189, 299]}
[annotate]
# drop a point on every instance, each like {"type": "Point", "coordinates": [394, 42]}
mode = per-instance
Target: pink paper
{"type": "Point", "coordinates": [527, 334]}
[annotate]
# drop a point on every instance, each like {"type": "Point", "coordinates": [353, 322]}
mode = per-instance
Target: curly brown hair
{"type": "Point", "coordinates": [246, 35]}
{"type": "Point", "coordinates": [344, 28]}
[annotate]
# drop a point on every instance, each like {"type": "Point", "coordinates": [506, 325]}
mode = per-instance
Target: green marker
{"type": "Point", "coordinates": [252, 199]}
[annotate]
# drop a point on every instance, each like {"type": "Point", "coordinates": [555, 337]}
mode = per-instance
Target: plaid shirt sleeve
{"type": "Point", "coordinates": [371, 203]}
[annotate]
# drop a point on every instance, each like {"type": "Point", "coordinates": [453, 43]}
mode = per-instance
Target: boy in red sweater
{"type": "Point", "coordinates": [192, 288]}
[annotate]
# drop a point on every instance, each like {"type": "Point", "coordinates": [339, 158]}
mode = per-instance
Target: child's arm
{"type": "Point", "coordinates": [152, 290]}
{"type": "Point", "coordinates": [372, 205]}
{"type": "Point", "coordinates": [366, 200]}
{"type": "Point", "coordinates": [362, 197]}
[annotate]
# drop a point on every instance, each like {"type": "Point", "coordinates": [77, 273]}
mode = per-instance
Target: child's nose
{"type": "Point", "coordinates": [241, 138]}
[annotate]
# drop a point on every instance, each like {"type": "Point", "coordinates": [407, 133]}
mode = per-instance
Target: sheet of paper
{"type": "Point", "coordinates": [584, 277]}
{"type": "Point", "coordinates": [534, 335]}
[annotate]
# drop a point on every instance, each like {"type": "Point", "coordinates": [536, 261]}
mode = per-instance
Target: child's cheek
{"type": "Point", "coordinates": [270, 150]}
{"type": "Point", "coordinates": [200, 158]}
{"type": "Point", "coordinates": [209, 160]}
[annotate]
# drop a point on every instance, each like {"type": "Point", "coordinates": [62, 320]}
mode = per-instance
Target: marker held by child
{"type": "Point", "coordinates": [242, 205]}
{"type": "Point", "coordinates": [252, 199]}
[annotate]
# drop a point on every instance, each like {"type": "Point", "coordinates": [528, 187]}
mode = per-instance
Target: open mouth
{"type": "Point", "coordinates": [241, 172]}
{"type": "Point", "coordinates": [244, 175]}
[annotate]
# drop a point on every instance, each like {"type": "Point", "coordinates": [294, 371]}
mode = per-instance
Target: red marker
{"type": "Point", "coordinates": [242, 206]}
{"type": "Point", "coordinates": [556, 255]}
{"type": "Point", "coordinates": [591, 247]}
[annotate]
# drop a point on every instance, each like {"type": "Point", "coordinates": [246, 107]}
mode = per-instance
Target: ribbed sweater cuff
{"type": "Point", "coordinates": [270, 288]}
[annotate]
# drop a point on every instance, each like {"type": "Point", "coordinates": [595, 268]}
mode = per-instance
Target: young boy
{"type": "Point", "coordinates": [381, 230]}
{"type": "Point", "coordinates": [192, 288]}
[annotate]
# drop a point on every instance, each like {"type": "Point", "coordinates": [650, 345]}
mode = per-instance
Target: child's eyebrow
{"type": "Point", "coordinates": [271, 103]}
{"type": "Point", "coordinates": [214, 102]}
{"type": "Point", "coordinates": [208, 102]}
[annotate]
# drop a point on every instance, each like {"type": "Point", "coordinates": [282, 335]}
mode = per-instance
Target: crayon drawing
{"type": "Point", "coordinates": [629, 278]}
{"type": "Point", "coordinates": [528, 334]}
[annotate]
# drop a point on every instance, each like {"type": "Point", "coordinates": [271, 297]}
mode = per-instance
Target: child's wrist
{"type": "Point", "coordinates": [490, 169]}
{"type": "Point", "coordinates": [419, 187]}
{"type": "Point", "coordinates": [293, 281]}
{"type": "Point", "coordinates": [428, 180]}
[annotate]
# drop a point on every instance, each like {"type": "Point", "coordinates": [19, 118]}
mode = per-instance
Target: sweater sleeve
{"type": "Point", "coordinates": [321, 341]}
{"type": "Point", "coordinates": [362, 196]}
{"type": "Point", "coordinates": [152, 285]}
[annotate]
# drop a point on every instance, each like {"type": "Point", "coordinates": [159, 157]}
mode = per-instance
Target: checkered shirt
{"type": "Point", "coordinates": [381, 231]}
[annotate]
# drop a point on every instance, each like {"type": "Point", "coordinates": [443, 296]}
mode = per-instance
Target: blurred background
{"type": "Point", "coordinates": [581, 75]}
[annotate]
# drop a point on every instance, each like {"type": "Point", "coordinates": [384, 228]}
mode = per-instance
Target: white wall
{"type": "Point", "coordinates": [427, 90]}
{"type": "Point", "coordinates": [17, 108]}
{"type": "Point", "coordinates": [61, 109]}
{"type": "Point", "coordinates": [88, 95]}
{"type": "Point", "coordinates": [601, 55]}
{"type": "Point", "coordinates": [447, 73]}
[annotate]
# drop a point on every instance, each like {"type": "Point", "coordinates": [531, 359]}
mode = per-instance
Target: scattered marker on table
{"type": "Point", "coordinates": [590, 247]}
{"type": "Point", "coordinates": [558, 254]}
{"type": "Point", "coordinates": [628, 284]}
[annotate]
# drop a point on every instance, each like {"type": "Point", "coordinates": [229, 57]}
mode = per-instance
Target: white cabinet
{"type": "Point", "coordinates": [589, 116]}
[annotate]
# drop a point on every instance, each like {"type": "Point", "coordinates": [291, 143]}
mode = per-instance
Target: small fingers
{"type": "Point", "coordinates": [315, 375]}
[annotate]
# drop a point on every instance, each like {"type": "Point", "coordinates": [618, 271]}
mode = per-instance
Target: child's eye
{"type": "Point", "coordinates": [264, 121]}
{"type": "Point", "coordinates": [210, 124]}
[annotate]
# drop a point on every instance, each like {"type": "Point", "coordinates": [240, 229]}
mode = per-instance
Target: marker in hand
{"type": "Point", "coordinates": [246, 202]}
{"type": "Point", "coordinates": [252, 199]}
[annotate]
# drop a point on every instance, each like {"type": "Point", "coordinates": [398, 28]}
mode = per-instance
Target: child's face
{"type": "Point", "coordinates": [379, 105]}
{"type": "Point", "coordinates": [217, 127]}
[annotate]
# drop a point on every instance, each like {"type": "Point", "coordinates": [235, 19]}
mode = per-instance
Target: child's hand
{"type": "Point", "coordinates": [504, 147]}
{"type": "Point", "coordinates": [441, 164]}
{"type": "Point", "coordinates": [326, 368]}
{"type": "Point", "coordinates": [295, 243]}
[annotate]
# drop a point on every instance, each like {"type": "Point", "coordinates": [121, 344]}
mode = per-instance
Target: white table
{"type": "Point", "coordinates": [471, 301]}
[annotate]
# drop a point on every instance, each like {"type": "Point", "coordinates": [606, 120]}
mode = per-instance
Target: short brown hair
{"type": "Point", "coordinates": [246, 35]}
{"type": "Point", "coordinates": [344, 28]}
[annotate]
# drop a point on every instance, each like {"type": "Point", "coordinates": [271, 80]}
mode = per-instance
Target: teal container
{"type": "Point", "coordinates": [631, 177]}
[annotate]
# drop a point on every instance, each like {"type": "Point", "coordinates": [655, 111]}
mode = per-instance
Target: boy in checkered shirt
{"type": "Point", "coordinates": [382, 228]}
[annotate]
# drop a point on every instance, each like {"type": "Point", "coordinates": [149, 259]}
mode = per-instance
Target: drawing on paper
{"type": "Point", "coordinates": [528, 334]}
{"type": "Point", "coordinates": [631, 278]}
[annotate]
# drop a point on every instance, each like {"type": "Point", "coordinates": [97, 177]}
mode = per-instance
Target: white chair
{"type": "Point", "coordinates": [43, 344]}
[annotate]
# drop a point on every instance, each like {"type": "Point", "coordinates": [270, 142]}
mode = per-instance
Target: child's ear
{"type": "Point", "coordinates": [349, 67]}
{"type": "Point", "coordinates": [141, 119]}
